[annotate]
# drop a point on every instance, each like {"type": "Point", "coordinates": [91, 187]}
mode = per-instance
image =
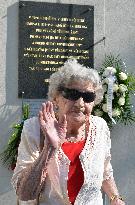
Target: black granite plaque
{"type": "Point", "coordinates": [49, 34]}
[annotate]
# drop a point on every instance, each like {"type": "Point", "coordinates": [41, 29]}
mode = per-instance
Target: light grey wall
{"type": "Point", "coordinates": [120, 39]}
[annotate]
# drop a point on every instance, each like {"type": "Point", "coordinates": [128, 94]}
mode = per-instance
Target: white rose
{"type": "Point", "coordinates": [124, 94]}
{"type": "Point", "coordinates": [109, 70]}
{"type": "Point", "coordinates": [106, 95]}
{"type": "Point", "coordinates": [123, 76]}
{"type": "Point", "coordinates": [122, 88]}
{"type": "Point", "coordinates": [98, 112]}
{"type": "Point", "coordinates": [115, 87]}
{"type": "Point", "coordinates": [104, 88]}
{"type": "Point", "coordinates": [106, 80]}
{"type": "Point", "coordinates": [104, 108]}
{"type": "Point", "coordinates": [116, 112]}
{"type": "Point", "coordinates": [121, 101]}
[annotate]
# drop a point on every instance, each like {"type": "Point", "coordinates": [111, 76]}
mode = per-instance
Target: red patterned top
{"type": "Point", "coordinates": [75, 174]}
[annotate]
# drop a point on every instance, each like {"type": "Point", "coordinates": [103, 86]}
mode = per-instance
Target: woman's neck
{"type": "Point", "coordinates": [75, 131]}
{"type": "Point", "coordinates": [78, 132]}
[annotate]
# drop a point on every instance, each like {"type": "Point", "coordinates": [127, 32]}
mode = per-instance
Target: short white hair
{"type": "Point", "coordinates": [71, 72]}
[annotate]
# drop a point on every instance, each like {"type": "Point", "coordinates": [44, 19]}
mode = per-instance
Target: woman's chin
{"type": "Point", "coordinates": [78, 117]}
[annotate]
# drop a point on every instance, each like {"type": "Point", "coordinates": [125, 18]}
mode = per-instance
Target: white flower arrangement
{"type": "Point", "coordinates": [123, 76]}
{"type": "Point", "coordinates": [115, 87]}
{"type": "Point", "coordinates": [123, 87]}
{"type": "Point", "coordinates": [121, 101]}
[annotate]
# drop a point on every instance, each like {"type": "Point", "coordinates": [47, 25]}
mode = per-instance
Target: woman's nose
{"type": "Point", "coordinates": [80, 101]}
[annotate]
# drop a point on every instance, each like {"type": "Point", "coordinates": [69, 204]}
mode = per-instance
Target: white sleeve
{"type": "Point", "coordinates": [28, 150]}
{"type": "Point", "coordinates": [108, 171]}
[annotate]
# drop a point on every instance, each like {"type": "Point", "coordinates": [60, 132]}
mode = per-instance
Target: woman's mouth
{"type": "Point", "coordinates": [78, 111]}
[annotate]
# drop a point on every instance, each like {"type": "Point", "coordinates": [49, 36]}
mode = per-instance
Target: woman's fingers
{"type": "Point", "coordinates": [48, 107]}
{"type": "Point", "coordinates": [47, 111]}
{"type": "Point", "coordinates": [52, 111]}
{"type": "Point", "coordinates": [44, 111]}
{"type": "Point", "coordinates": [41, 119]}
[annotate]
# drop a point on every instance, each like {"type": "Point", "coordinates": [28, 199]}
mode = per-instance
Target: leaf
{"type": "Point", "coordinates": [10, 152]}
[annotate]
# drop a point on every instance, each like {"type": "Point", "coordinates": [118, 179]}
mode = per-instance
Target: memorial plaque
{"type": "Point", "coordinates": [49, 34]}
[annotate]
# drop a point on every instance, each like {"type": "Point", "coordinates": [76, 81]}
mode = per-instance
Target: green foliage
{"type": "Point", "coordinates": [9, 155]}
{"type": "Point", "coordinates": [121, 112]}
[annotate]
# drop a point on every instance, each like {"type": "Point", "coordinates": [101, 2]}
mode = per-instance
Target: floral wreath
{"type": "Point", "coordinates": [118, 87]}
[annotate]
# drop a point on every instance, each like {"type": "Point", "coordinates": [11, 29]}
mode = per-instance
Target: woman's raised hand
{"type": "Point", "coordinates": [117, 202]}
{"type": "Point", "coordinates": [53, 129]}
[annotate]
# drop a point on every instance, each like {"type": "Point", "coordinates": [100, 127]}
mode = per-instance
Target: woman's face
{"type": "Point", "coordinates": [76, 109]}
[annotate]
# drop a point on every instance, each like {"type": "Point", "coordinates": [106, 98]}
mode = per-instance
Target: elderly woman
{"type": "Point", "coordinates": [64, 156]}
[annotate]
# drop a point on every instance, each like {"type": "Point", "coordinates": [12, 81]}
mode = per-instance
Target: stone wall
{"type": "Point", "coordinates": [119, 29]}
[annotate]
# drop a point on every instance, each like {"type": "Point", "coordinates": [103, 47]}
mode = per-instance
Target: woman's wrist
{"type": "Point", "coordinates": [114, 196]}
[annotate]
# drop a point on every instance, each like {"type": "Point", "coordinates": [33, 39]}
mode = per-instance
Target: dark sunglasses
{"type": "Point", "coordinates": [73, 94]}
